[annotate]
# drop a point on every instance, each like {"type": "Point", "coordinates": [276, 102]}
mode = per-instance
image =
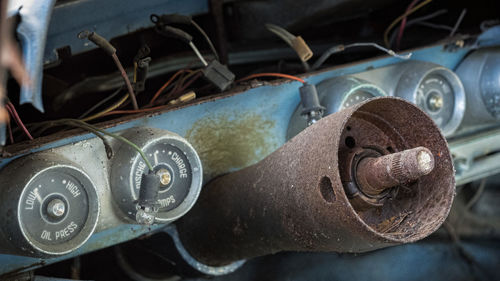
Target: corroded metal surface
{"type": "Point", "coordinates": [294, 199]}
{"type": "Point", "coordinates": [376, 174]}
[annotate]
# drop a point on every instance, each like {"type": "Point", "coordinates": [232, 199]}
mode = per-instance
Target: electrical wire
{"type": "Point", "coordinates": [100, 103]}
{"type": "Point", "coordinates": [106, 46]}
{"type": "Point", "coordinates": [135, 73]}
{"type": "Point", "coordinates": [340, 48]}
{"type": "Point", "coordinates": [403, 24]}
{"type": "Point", "coordinates": [398, 19]}
{"type": "Point", "coordinates": [150, 109]}
{"type": "Point", "coordinates": [182, 85]}
{"type": "Point", "coordinates": [108, 109]}
{"type": "Point", "coordinates": [98, 131]}
{"type": "Point", "coordinates": [270, 74]}
{"type": "Point", "coordinates": [9, 128]}
{"type": "Point", "coordinates": [204, 34]}
{"type": "Point", "coordinates": [477, 195]}
{"type": "Point", "coordinates": [459, 21]}
{"type": "Point", "coordinates": [435, 26]}
{"type": "Point", "coordinates": [303, 52]}
{"type": "Point", "coordinates": [13, 112]}
{"type": "Point", "coordinates": [158, 93]}
{"type": "Point", "coordinates": [127, 81]}
{"type": "Point", "coordinates": [107, 146]}
{"type": "Point", "coordinates": [281, 33]}
{"type": "Point", "coordinates": [133, 111]}
{"type": "Point", "coordinates": [198, 54]}
{"type": "Point", "coordinates": [416, 21]}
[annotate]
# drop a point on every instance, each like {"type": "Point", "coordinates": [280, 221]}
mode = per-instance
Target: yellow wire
{"type": "Point", "coordinates": [110, 108]}
{"type": "Point", "coordinates": [397, 20]}
{"type": "Point", "coordinates": [115, 105]}
{"type": "Point", "coordinates": [135, 72]}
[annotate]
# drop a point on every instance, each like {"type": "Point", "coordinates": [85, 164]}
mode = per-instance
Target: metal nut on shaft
{"type": "Point", "coordinates": [374, 175]}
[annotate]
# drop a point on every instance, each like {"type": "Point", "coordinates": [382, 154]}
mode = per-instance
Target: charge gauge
{"type": "Point", "coordinates": [173, 159]}
{"type": "Point", "coordinates": [49, 206]}
{"type": "Point", "coordinates": [336, 94]}
{"type": "Point", "coordinates": [434, 89]}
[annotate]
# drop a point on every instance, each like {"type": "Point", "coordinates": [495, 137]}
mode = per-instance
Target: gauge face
{"type": "Point", "coordinates": [355, 98]}
{"type": "Point", "coordinates": [55, 207]}
{"type": "Point", "coordinates": [436, 97]}
{"type": "Point", "coordinates": [173, 159]}
{"type": "Point", "coordinates": [174, 169]}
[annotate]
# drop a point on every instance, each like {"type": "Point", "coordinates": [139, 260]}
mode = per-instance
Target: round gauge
{"type": "Point", "coordinates": [57, 205]}
{"type": "Point", "coordinates": [341, 92]}
{"type": "Point", "coordinates": [480, 75]}
{"type": "Point", "coordinates": [436, 90]}
{"type": "Point", "coordinates": [173, 159]}
{"type": "Point", "coordinates": [336, 94]}
{"type": "Point", "coordinates": [433, 93]}
{"type": "Point", "coordinates": [356, 97]}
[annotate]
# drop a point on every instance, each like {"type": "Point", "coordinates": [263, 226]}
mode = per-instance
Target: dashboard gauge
{"type": "Point", "coordinates": [436, 90]}
{"type": "Point", "coordinates": [480, 75]}
{"type": "Point", "coordinates": [50, 204]}
{"type": "Point", "coordinates": [173, 159]}
{"type": "Point", "coordinates": [336, 94]}
{"type": "Point", "coordinates": [341, 92]}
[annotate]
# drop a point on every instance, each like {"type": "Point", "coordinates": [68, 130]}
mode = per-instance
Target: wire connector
{"type": "Point", "coordinates": [218, 74]}
{"type": "Point", "coordinates": [147, 204]}
{"type": "Point", "coordinates": [312, 109]}
{"type": "Point", "coordinates": [189, 96]}
{"type": "Point", "coordinates": [302, 49]}
{"type": "Point", "coordinates": [141, 74]}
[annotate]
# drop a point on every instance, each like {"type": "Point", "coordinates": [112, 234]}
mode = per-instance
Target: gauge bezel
{"type": "Point", "coordinates": [333, 93]}
{"type": "Point", "coordinates": [90, 223]}
{"type": "Point", "coordinates": [16, 178]}
{"type": "Point", "coordinates": [416, 73]}
{"type": "Point", "coordinates": [120, 173]}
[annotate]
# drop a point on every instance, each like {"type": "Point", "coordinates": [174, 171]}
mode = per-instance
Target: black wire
{"type": "Point", "coordinates": [204, 34]}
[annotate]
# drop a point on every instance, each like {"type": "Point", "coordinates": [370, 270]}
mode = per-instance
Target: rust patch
{"type": "Point", "coordinates": [230, 141]}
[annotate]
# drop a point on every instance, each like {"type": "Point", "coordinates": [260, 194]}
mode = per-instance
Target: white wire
{"type": "Point", "coordinates": [198, 54]}
{"type": "Point", "coordinates": [377, 46]}
{"type": "Point", "coordinates": [340, 48]}
{"type": "Point", "coordinates": [281, 32]}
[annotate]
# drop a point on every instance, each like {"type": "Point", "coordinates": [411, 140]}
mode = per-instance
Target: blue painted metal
{"type": "Point", "coordinates": [110, 18]}
{"type": "Point", "coordinates": [9, 263]}
{"type": "Point", "coordinates": [32, 31]}
{"type": "Point", "coordinates": [490, 37]}
{"type": "Point", "coordinates": [274, 104]}
{"type": "Point", "coordinates": [427, 260]}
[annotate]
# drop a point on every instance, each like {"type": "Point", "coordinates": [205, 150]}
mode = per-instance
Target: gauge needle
{"type": "Point", "coordinates": [156, 157]}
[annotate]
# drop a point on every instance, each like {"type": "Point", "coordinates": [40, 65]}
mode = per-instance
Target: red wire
{"type": "Point", "coordinates": [281, 75]}
{"type": "Point", "coordinates": [18, 120]}
{"type": "Point", "coordinates": [9, 127]}
{"type": "Point", "coordinates": [403, 23]}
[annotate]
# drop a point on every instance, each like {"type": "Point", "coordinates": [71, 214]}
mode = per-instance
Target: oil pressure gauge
{"type": "Point", "coordinates": [436, 90]}
{"type": "Point", "coordinates": [49, 206]}
{"type": "Point", "coordinates": [175, 162]}
{"type": "Point", "coordinates": [336, 94]}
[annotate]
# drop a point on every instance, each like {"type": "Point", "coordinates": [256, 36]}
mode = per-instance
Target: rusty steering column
{"type": "Point", "coordinates": [371, 176]}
